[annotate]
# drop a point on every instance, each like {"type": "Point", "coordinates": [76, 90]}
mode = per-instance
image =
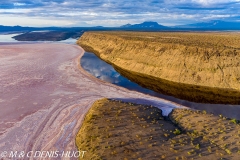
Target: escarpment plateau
{"type": "Point", "coordinates": [200, 67]}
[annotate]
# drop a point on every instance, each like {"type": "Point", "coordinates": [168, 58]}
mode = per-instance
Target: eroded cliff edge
{"type": "Point", "coordinates": [200, 67]}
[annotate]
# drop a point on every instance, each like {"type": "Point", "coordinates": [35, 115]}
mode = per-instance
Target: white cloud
{"type": "Point", "coordinates": [33, 21]}
{"type": "Point", "coordinates": [114, 12]}
{"type": "Point", "coordinates": [212, 2]}
{"type": "Point", "coordinates": [19, 4]}
{"type": "Point", "coordinates": [14, 11]}
{"type": "Point", "coordinates": [211, 17]}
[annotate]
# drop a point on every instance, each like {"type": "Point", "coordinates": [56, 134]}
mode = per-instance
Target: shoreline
{"type": "Point", "coordinates": [194, 73]}
{"type": "Point", "coordinates": [54, 95]}
{"type": "Point", "coordinates": [229, 111]}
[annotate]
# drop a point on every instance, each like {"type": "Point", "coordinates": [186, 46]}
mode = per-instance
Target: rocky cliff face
{"type": "Point", "coordinates": [193, 66]}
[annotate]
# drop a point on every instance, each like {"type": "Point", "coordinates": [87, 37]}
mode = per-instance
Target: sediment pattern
{"type": "Point", "coordinates": [44, 95]}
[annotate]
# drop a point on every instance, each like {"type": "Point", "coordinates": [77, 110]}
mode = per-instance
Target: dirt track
{"type": "Point", "coordinates": [44, 95]}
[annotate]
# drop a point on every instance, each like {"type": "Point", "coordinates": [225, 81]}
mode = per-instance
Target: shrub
{"type": "Point", "coordinates": [177, 132]}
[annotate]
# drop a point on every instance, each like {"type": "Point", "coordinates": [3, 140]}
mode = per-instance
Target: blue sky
{"type": "Point", "coordinates": [115, 12]}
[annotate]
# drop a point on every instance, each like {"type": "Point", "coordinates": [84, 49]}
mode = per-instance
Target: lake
{"type": "Point", "coordinates": [4, 37]}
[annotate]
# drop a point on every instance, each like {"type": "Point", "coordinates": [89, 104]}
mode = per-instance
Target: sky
{"type": "Point", "coordinates": [112, 13]}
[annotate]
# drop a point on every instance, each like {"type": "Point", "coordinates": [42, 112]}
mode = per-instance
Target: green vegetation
{"type": "Point", "coordinates": [118, 130]}
{"type": "Point", "coordinates": [219, 131]}
{"type": "Point", "coordinates": [200, 67]}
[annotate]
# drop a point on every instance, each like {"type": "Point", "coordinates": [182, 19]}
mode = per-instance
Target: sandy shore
{"type": "Point", "coordinates": [44, 95]}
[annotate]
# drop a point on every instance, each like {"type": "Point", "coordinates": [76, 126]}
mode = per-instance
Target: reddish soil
{"type": "Point", "coordinates": [44, 95]}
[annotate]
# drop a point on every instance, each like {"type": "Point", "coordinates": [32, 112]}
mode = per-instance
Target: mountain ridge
{"type": "Point", "coordinates": [146, 24]}
{"type": "Point", "coordinates": [214, 24]}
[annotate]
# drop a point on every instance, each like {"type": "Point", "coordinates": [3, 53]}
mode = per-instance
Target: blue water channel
{"type": "Point", "coordinates": [104, 71]}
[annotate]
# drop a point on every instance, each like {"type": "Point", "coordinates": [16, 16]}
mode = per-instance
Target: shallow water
{"type": "Point", "coordinates": [104, 71]}
{"type": "Point", "coordinates": [69, 41]}
{"type": "Point", "coordinates": [7, 38]}
{"type": "Point", "coordinates": [100, 69]}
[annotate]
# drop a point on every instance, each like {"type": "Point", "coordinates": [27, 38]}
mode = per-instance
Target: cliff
{"type": "Point", "coordinates": [201, 67]}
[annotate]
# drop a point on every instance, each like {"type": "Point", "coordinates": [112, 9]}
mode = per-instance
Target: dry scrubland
{"type": "Point", "coordinates": [201, 67]}
{"type": "Point", "coordinates": [117, 130]}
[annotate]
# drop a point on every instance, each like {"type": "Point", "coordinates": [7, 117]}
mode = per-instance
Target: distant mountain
{"type": "Point", "coordinates": [126, 26]}
{"type": "Point", "coordinates": [30, 29]}
{"type": "Point", "coordinates": [98, 27]}
{"type": "Point", "coordinates": [14, 28]}
{"type": "Point", "coordinates": [145, 25]}
{"type": "Point", "coordinates": [27, 29]}
{"type": "Point", "coordinates": [215, 24]}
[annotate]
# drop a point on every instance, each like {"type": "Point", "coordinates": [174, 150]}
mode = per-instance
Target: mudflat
{"type": "Point", "coordinates": [200, 67]}
{"type": "Point", "coordinates": [44, 95]}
